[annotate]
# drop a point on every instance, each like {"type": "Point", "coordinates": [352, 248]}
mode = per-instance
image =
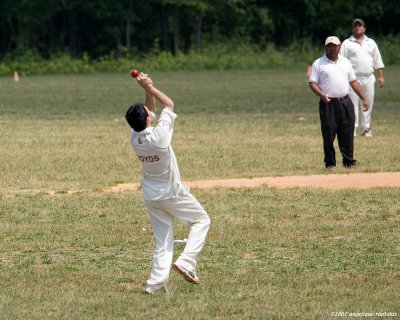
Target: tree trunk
{"type": "Point", "coordinates": [197, 32]}
{"type": "Point", "coordinates": [128, 26]}
{"type": "Point", "coordinates": [176, 32]}
{"type": "Point", "coordinates": [11, 41]}
{"type": "Point", "coordinates": [164, 28]}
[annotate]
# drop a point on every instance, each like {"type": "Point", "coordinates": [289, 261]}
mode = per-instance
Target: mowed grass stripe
{"type": "Point", "coordinates": [69, 132]}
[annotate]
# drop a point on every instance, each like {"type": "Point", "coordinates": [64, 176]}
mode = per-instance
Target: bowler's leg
{"type": "Point", "coordinates": [163, 230]}
{"type": "Point", "coordinates": [187, 209]}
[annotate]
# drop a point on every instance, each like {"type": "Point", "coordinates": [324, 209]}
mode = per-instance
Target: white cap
{"type": "Point", "coordinates": [332, 39]}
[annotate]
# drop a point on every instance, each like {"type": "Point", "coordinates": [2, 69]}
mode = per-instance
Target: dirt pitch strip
{"type": "Point", "coordinates": [328, 181]}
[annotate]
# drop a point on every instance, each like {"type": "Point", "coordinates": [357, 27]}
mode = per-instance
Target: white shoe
{"type": "Point", "coordinates": [189, 276]}
{"type": "Point", "coordinates": [156, 289]}
{"type": "Point", "coordinates": [367, 133]}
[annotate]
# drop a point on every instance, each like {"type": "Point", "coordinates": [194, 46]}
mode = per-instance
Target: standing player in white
{"type": "Point", "coordinates": [165, 197]}
{"type": "Point", "coordinates": [365, 58]}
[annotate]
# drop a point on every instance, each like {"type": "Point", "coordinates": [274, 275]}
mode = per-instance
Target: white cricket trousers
{"type": "Point", "coordinates": [188, 210]}
{"type": "Point", "coordinates": [363, 118]}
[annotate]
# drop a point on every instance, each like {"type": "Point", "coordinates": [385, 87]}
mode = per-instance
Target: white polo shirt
{"type": "Point", "coordinates": [332, 77]}
{"type": "Point", "coordinates": [364, 57]}
{"type": "Point", "coordinates": [160, 173]}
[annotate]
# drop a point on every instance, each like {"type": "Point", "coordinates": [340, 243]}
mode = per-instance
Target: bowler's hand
{"type": "Point", "coordinates": [144, 80]}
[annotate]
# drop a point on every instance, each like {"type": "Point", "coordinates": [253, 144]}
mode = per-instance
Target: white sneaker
{"type": "Point", "coordinates": [189, 276]}
{"type": "Point", "coordinates": [156, 289]}
{"type": "Point", "coordinates": [367, 133]}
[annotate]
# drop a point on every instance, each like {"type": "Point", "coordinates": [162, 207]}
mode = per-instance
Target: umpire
{"type": "Point", "coordinates": [331, 77]}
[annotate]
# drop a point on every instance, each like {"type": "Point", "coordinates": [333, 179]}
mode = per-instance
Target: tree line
{"type": "Point", "coordinates": [99, 28]}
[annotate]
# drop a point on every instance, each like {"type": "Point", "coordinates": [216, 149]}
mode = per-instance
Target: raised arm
{"type": "Point", "coordinates": [150, 102]}
{"type": "Point", "coordinates": [161, 97]}
{"type": "Point", "coordinates": [152, 92]}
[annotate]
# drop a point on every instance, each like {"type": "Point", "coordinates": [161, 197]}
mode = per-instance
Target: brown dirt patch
{"type": "Point", "coordinates": [328, 181]}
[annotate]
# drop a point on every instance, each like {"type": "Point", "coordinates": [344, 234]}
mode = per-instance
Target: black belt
{"type": "Point", "coordinates": [338, 99]}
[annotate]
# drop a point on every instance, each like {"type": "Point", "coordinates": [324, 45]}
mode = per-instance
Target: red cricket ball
{"type": "Point", "coordinates": [134, 73]}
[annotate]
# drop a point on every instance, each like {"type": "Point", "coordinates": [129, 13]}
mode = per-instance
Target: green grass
{"type": "Point", "coordinates": [283, 254]}
{"type": "Point", "coordinates": [69, 131]}
{"type": "Point", "coordinates": [270, 254]}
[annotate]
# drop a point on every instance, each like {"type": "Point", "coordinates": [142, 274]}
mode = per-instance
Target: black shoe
{"type": "Point", "coordinates": [350, 165]}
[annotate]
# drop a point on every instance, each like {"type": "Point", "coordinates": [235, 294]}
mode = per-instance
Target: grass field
{"type": "Point", "coordinates": [271, 254]}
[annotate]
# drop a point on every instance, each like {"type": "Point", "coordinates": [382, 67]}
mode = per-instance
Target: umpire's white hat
{"type": "Point", "coordinates": [332, 39]}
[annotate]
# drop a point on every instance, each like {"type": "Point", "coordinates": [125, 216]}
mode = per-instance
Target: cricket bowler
{"type": "Point", "coordinates": [164, 195]}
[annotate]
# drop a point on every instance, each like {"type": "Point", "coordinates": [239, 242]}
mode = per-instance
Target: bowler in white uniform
{"type": "Point", "coordinates": [165, 197]}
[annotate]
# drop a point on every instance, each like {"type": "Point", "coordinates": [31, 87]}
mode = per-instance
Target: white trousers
{"type": "Point", "coordinates": [363, 118]}
{"type": "Point", "coordinates": [188, 210]}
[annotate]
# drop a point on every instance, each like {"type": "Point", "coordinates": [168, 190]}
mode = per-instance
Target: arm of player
{"type": "Point", "coordinates": [357, 89]}
{"type": "Point", "coordinates": [152, 92]}
{"type": "Point", "coordinates": [161, 97]}
{"type": "Point", "coordinates": [150, 102]}
{"type": "Point", "coordinates": [145, 82]}
{"type": "Point", "coordinates": [381, 78]}
{"type": "Point", "coordinates": [317, 90]}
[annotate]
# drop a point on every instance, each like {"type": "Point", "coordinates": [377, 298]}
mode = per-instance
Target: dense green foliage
{"type": "Point", "coordinates": [221, 57]}
{"type": "Point", "coordinates": [218, 57]}
{"type": "Point", "coordinates": [100, 29]}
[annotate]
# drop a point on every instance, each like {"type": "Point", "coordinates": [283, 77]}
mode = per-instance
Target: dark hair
{"type": "Point", "coordinates": [136, 117]}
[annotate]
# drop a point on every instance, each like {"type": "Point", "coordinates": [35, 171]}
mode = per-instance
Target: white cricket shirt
{"type": "Point", "coordinates": [364, 57]}
{"type": "Point", "coordinates": [160, 173]}
{"type": "Point", "coordinates": [332, 77]}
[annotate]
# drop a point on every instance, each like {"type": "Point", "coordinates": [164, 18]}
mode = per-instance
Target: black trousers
{"type": "Point", "coordinates": [337, 118]}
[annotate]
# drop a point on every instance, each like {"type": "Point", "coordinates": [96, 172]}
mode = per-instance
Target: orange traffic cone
{"type": "Point", "coordinates": [16, 76]}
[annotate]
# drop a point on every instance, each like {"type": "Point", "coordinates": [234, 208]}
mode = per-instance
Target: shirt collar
{"type": "Point", "coordinates": [327, 59]}
{"type": "Point", "coordinates": [353, 38]}
{"type": "Point", "coordinates": [145, 131]}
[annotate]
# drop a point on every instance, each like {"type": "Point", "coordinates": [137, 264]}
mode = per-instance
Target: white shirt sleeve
{"type": "Point", "coordinates": [376, 56]}
{"type": "Point", "coordinates": [162, 134]}
{"type": "Point", "coordinates": [314, 75]}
